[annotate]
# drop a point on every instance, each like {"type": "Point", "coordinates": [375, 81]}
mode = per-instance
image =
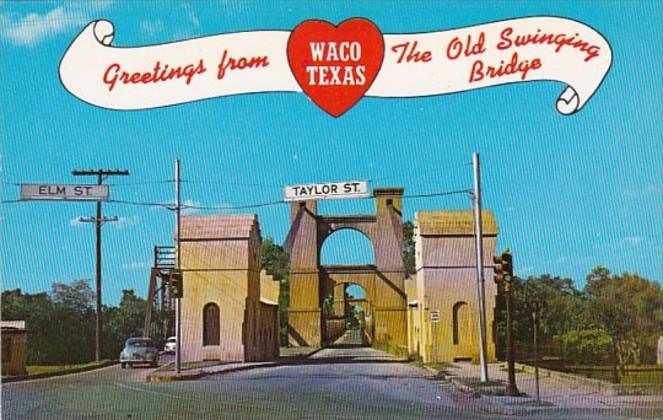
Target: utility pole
{"type": "Point", "coordinates": [178, 306]}
{"type": "Point", "coordinates": [478, 240]}
{"type": "Point", "coordinates": [99, 220]}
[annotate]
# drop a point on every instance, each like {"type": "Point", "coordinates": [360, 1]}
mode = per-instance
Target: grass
{"type": "Point", "coordinates": [398, 351]}
{"type": "Point", "coordinates": [295, 351]}
{"type": "Point", "coordinates": [39, 369]}
{"type": "Point", "coordinates": [644, 376]}
{"type": "Point", "coordinates": [440, 366]}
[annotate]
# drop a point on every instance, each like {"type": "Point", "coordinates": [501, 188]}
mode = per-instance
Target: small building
{"type": "Point", "coordinates": [223, 315]}
{"type": "Point", "coordinates": [442, 298]}
{"type": "Point", "coordinates": [14, 338]}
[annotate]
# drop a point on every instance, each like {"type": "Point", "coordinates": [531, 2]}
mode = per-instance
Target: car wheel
{"type": "Point", "coordinates": [123, 365]}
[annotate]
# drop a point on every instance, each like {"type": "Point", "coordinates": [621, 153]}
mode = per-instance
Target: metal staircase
{"type": "Point", "coordinates": [158, 295]}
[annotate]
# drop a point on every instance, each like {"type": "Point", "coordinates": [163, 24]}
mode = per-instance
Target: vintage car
{"type": "Point", "coordinates": [171, 343]}
{"type": "Point", "coordinates": [139, 350]}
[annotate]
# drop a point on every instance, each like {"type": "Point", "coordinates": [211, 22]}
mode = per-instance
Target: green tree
{"type": "Point", "coordinates": [77, 296]}
{"type": "Point", "coordinates": [275, 261]}
{"type": "Point", "coordinates": [408, 248]}
{"type": "Point", "coordinates": [630, 309]}
{"type": "Point", "coordinates": [37, 311]}
{"type": "Point", "coordinates": [567, 309]}
{"type": "Point", "coordinates": [586, 346]}
{"type": "Point", "coordinates": [126, 320]}
{"type": "Point", "coordinates": [73, 317]}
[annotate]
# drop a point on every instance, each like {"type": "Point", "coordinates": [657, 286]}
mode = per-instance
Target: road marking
{"type": "Point", "coordinates": [151, 391]}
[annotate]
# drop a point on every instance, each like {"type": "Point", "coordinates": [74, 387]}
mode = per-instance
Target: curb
{"type": "Point", "coordinates": [182, 376]}
{"type": "Point", "coordinates": [189, 376]}
{"type": "Point", "coordinates": [441, 376]}
{"type": "Point", "coordinates": [22, 378]}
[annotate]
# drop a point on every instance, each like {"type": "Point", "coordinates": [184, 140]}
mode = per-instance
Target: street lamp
{"type": "Point", "coordinates": [536, 305]}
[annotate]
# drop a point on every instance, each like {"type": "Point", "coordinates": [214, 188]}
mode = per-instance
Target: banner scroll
{"type": "Point", "coordinates": [414, 65]}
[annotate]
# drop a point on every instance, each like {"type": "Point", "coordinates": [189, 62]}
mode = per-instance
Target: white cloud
{"type": "Point", "coordinates": [524, 270]}
{"type": "Point", "coordinates": [136, 265]}
{"type": "Point", "coordinates": [649, 191]}
{"type": "Point", "coordinates": [193, 19]}
{"type": "Point", "coordinates": [190, 27]}
{"type": "Point", "coordinates": [125, 222]}
{"type": "Point", "coordinates": [33, 28]}
{"type": "Point", "coordinates": [629, 241]}
{"type": "Point", "coordinates": [152, 27]}
{"type": "Point", "coordinates": [99, 5]}
{"type": "Point", "coordinates": [186, 210]}
{"type": "Point", "coordinates": [561, 260]}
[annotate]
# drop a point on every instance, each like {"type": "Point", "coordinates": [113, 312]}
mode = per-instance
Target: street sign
{"type": "Point", "coordinates": [65, 192]}
{"type": "Point", "coordinates": [434, 316]}
{"type": "Point", "coordinates": [326, 191]}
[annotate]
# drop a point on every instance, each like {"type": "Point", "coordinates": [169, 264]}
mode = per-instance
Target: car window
{"type": "Point", "coordinates": [139, 343]}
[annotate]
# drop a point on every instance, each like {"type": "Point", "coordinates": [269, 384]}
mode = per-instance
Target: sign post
{"type": "Point", "coordinates": [65, 192]}
{"type": "Point", "coordinates": [326, 191]}
{"type": "Point", "coordinates": [435, 320]}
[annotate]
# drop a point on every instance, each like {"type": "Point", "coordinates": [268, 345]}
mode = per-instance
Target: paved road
{"type": "Point", "coordinates": [335, 383]}
{"type": "Point", "coordinates": [350, 338]}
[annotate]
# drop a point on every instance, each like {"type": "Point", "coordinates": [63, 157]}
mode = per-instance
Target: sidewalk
{"type": "Point", "coordinates": [554, 392]}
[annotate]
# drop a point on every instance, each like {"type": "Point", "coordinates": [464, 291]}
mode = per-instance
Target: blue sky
{"type": "Point", "coordinates": [569, 193]}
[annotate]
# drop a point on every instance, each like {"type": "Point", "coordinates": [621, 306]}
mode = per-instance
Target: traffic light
{"type": "Point", "coordinates": [175, 284]}
{"type": "Point", "coordinates": [503, 268]}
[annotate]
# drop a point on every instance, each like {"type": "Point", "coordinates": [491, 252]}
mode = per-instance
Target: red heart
{"type": "Point", "coordinates": [335, 65]}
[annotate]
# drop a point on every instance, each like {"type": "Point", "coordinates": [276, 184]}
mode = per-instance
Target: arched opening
{"type": "Point", "coordinates": [347, 316]}
{"type": "Point", "coordinates": [347, 247]}
{"type": "Point", "coordinates": [460, 321]}
{"type": "Point", "coordinates": [211, 325]}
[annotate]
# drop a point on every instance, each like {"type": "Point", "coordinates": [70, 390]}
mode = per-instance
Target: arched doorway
{"type": "Point", "coordinates": [347, 320]}
{"type": "Point", "coordinates": [347, 278]}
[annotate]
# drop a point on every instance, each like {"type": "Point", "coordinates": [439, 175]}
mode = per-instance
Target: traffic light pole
{"type": "Point", "coordinates": [99, 220]}
{"type": "Point", "coordinates": [478, 234]}
{"type": "Point", "coordinates": [504, 275]}
{"type": "Point", "coordinates": [178, 306]}
{"type": "Point", "coordinates": [511, 388]}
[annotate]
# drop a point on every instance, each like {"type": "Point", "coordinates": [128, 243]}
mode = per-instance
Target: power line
{"type": "Point", "coordinates": [171, 206]}
{"type": "Point", "coordinates": [126, 184]}
{"type": "Point", "coordinates": [440, 194]}
{"type": "Point", "coordinates": [139, 203]}
{"type": "Point", "coordinates": [235, 184]}
{"type": "Point", "coordinates": [246, 206]}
